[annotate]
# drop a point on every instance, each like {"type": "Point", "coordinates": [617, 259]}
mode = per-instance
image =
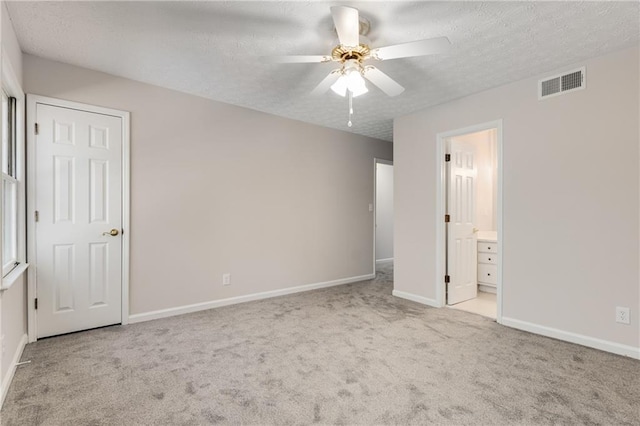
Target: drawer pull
{"type": "Point", "coordinates": [488, 274]}
{"type": "Point", "coordinates": [489, 259]}
{"type": "Point", "coordinates": [489, 247]}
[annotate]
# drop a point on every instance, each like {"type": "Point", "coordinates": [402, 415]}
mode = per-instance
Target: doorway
{"type": "Point", "coordinates": [78, 207]}
{"type": "Point", "coordinates": [469, 235]}
{"type": "Point", "coordinates": [383, 217]}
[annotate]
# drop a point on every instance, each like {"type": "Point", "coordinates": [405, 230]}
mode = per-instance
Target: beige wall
{"type": "Point", "coordinates": [570, 200]}
{"type": "Point", "coordinates": [13, 302]}
{"type": "Point", "coordinates": [216, 188]}
{"type": "Point", "coordinates": [10, 47]}
{"type": "Point", "coordinates": [14, 321]}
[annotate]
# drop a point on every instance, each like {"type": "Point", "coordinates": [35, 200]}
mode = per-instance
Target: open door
{"type": "Point", "coordinates": [461, 232]}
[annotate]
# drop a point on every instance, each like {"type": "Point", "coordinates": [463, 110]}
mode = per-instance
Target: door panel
{"type": "Point", "coordinates": [63, 191]}
{"type": "Point", "coordinates": [63, 267]}
{"type": "Point", "coordinates": [78, 187]}
{"type": "Point", "coordinates": [99, 191]}
{"type": "Point", "coordinates": [462, 241]}
{"type": "Point", "coordinates": [99, 280]}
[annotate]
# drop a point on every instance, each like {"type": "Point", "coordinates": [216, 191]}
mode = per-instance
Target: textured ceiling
{"type": "Point", "coordinates": [214, 49]}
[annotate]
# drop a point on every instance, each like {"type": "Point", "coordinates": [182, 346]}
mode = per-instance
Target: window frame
{"type": "Point", "coordinates": [10, 86]}
{"type": "Point", "coordinates": [9, 177]}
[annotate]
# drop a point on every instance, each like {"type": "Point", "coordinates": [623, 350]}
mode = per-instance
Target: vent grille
{"type": "Point", "coordinates": [572, 81]}
{"type": "Point", "coordinates": [561, 84]}
{"type": "Point", "coordinates": [550, 87]}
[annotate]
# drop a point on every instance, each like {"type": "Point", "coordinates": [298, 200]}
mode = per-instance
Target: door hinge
{"type": "Point", "coordinates": [36, 303]}
{"type": "Point", "coordinates": [36, 128]}
{"type": "Point", "coordinates": [37, 215]}
{"type": "Point", "coordinates": [447, 218]}
{"type": "Point", "coordinates": [447, 157]}
{"type": "Point", "coordinates": [447, 279]}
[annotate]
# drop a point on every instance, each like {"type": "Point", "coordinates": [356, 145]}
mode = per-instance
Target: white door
{"type": "Point", "coordinates": [462, 250]}
{"type": "Point", "coordinates": [78, 185]}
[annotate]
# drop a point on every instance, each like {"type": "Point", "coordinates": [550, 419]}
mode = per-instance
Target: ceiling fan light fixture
{"type": "Point", "coordinates": [355, 83]}
{"type": "Point", "coordinates": [340, 86]}
{"type": "Point", "coordinates": [351, 80]}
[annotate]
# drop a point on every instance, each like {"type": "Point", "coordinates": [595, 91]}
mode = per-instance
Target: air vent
{"type": "Point", "coordinates": [561, 84]}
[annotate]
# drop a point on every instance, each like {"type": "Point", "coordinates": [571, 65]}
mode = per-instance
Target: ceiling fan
{"type": "Point", "coordinates": [352, 53]}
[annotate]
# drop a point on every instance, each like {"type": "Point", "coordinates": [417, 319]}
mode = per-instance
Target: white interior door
{"type": "Point", "coordinates": [462, 249]}
{"type": "Point", "coordinates": [78, 185]}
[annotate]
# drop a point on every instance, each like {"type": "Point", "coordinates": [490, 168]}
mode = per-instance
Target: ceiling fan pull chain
{"type": "Point", "coordinates": [349, 123]}
{"type": "Point", "coordinates": [350, 102]}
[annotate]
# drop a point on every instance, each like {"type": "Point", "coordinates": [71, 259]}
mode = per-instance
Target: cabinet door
{"type": "Point", "coordinates": [487, 258]}
{"type": "Point", "coordinates": [487, 247]}
{"type": "Point", "coordinates": [487, 274]}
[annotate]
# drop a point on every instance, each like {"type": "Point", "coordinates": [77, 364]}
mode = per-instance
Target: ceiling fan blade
{"type": "Point", "coordinates": [326, 83]}
{"type": "Point", "coordinates": [297, 59]}
{"type": "Point", "coordinates": [347, 25]}
{"type": "Point", "coordinates": [415, 48]}
{"type": "Point", "coordinates": [383, 81]}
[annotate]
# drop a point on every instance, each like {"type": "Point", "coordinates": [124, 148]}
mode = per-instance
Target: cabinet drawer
{"type": "Point", "coordinates": [487, 273]}
{"type": "Point", "coordinates": [488, 247]}
{"type": "Point", "coordinates": [488, 258]}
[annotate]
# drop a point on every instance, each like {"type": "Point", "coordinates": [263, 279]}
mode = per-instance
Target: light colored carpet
{"type": "Point", "coordinates": [351, 354]}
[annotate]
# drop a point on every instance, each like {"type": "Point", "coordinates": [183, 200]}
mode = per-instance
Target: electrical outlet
{"type": "Point", "coordinates": [226, 279]}
{"type": "Point", "coordinates": [622, 315]}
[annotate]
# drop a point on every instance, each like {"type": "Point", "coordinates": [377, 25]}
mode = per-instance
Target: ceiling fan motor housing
{"type": "Point", "coordinates": [343, 53]}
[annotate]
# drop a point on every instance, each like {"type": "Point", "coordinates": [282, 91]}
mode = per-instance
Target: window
{"type": "Point", "coordinates": [10, 185]}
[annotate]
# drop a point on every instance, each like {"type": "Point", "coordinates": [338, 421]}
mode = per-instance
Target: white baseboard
{"type": "Point", "coordinates": [381, 261]}
{"type": "Point", "coordinates": [591, 342]}
{"type": "Point", "coordinates": [416, 298]}
{"type": "Point", "coordinates": [6, 382]}
{"type": "Point", "coordinates": [179, 310]}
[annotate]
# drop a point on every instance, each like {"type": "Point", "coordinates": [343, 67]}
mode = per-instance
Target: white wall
{"type": "Point", "coordinates": [216, 188]}
{"type": "Point", "coordinates": [384, 211]}
{"type": "Point", "coordinates": [570, 203]}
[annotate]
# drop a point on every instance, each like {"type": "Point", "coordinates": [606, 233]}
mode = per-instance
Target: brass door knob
{"type": "Point", "coordinates": [113, 232]}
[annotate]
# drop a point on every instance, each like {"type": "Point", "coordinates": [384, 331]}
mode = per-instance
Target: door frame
{"type": "Point", "coordinates": [32, 102]}
{"type": "Point", "coordinates": [441, 202]}
{"type": "Point", "coordinates": [377, 161]}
